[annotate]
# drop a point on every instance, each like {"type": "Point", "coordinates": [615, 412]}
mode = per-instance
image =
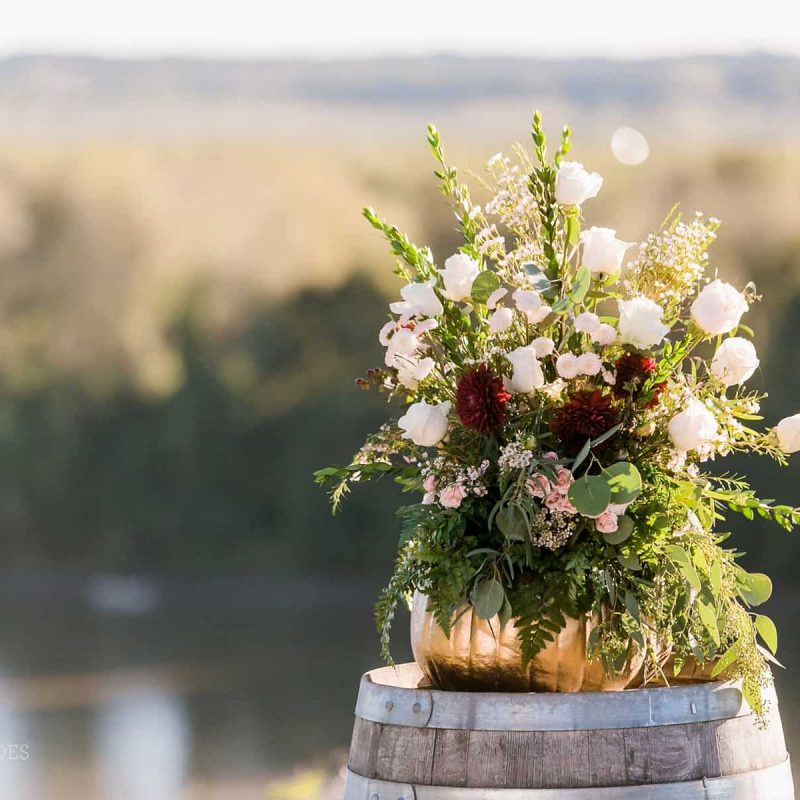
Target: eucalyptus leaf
{"type": "Point", "coordinates": [581, 457]}
{"type": "Point", "coordinates": [590, 495]}
{"type": "Point", "coordinates": [632, 605]}
{"type": "Point", "coordinates": [483, 286]}
{"type": "Point", "coordinates": [768, 632]}
{"type": "Point", "coordinates": [536, 277]}
{"type": "Point", "coordinates": [562, 306]}
{"type": "Point", "coordinates": [623, 532]}
{"type": "Point", "coordinates": [583, 280]}
{"type": "Point", "coordinates": [488, 597]}
{"type": "Point", "coordinates": [630, 562]}
{"type": "Point", "coordinates": [625, 482]}
{"type": "Point", "coordinates": [505, 613]}
{"type": "Point", "coordinates": [513, 523]}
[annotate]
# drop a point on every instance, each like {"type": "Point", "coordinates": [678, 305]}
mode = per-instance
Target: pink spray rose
{"type": "Point", "coordinates": [564, 480]}
{"type": "Point", "coordinates": [430, 483]}
{"type": "Point", "coordinates": [539, 486]}
{"type": "Point", "coordinates": [607, 522]}
{"type": "Point", "coordinates": [452, 496]}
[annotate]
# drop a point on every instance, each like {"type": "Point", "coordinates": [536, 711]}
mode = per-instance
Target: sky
{"type": "Point", "coordinates": [353, 28]}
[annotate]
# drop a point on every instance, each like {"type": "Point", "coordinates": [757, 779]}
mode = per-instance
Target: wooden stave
{"type": "Point", "coordinates": [417, 752]}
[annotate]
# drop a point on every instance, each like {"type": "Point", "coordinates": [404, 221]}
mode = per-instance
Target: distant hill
{"type": "Point", "coordinates": [735, 97]}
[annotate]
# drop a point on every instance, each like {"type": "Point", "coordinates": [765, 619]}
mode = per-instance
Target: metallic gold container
{"type": "Point", "coordinates": [480, 656]}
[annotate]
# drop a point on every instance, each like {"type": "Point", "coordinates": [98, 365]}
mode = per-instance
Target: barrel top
{"type": "Point", "coordinates": [392, 695]}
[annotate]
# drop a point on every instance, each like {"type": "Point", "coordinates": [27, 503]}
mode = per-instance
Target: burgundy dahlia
{"type": "Point", "coordinates": [587, 414]}
{"type": "Point", "coordinates": [633, 370]}
{"type": "Point", "coordinates": [481, 400]}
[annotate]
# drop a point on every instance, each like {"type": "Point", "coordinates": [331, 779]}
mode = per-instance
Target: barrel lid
{"type": "Point", "coordinates": [393, 695]}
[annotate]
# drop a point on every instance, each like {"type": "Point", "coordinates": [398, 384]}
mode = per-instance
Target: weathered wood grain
{"type": "Point", "coordinates": [450, 758]}
{"type": "Point", "coordinates": [364, 747]}
{"type": "Point", "coordinates": [405, 755]}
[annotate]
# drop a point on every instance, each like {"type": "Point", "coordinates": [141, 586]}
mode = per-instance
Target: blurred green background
{"type": "Point", "coordinates": [187, 293]}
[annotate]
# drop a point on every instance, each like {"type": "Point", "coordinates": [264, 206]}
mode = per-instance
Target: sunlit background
{"type": "Point", "coordinates": [187, 292]}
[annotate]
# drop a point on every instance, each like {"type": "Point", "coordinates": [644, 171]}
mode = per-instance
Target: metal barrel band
{"type": "Point", "coordinates": [383, 699]}
{"type": "Point", "coordinates": [773, 783]}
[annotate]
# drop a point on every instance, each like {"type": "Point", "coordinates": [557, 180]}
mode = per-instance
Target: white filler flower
{"type": "Point", "coordinates": [718, 308]}
{"type": "Point", "coordinates": [693, 427]}
{"type": "Point", "coordinates": [735, 361]}
{"type": "Point", "coordinates": [640, 322]}
{"type": "Point", "coordinates": [424, 424]}
{"type": "Point", "coordinates": [574, 184]}
{"type": "Point", "coordinates": [602, 251]}
{"type": "Point", "coordinates": [458, 275]}
{"type": "Point", "coordinates": [788, 433]}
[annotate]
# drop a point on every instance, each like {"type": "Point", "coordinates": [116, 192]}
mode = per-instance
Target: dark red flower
{"type": "Point", "coordinates": [633, 371]}
{"type": "Point", "coordinates": [587, 414]}
{"type": "Point", "coordinates": [481, 400]}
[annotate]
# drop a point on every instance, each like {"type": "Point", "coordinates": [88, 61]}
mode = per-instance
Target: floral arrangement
{"type": "Point", "coordinates": [565, 394]}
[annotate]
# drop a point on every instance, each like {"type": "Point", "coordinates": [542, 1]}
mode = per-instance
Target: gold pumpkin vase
{"type": "Point", "coordinates": [479, 655]}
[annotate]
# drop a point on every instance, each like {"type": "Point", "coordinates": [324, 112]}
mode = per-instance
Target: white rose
{"type": "Point", "coordinates": [589, 364]}
{"type": "Point", "coordinates": [501, 320]}
{"type": "Point", "coordinates": [458, 275]}
{"type": "Point", "coordinates": [567, 366]}
{"type": "Point", "coordinates": [530, 303]}
{"type": "Point", "coordinates": [411, 370]}
{"type": "Point", "coordinates": [543, 346]}
{"type": "Point", "coordinates": [574, 184]}
{"type": "Point", "coordinates": [718, 308]}
{"type": "Point", "coordinates": [640, 322]}
{"type": "Point", "coordinates": [735, 361]}
{"type": "Point", "coordinates": [419, 300]}
{"type": "Point", "coordinates": [602, 251]}
{"type": "Point", "coordinates": [527, 373]}
{"type": "Point", "coordinates": [425, 424]}
{"type": "Point", "coordinates": [693, 427]}
{"type": "Point", "coordinates": [788, 433]}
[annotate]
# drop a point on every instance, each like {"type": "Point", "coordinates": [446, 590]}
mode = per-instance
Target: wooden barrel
{"type": "Point", "coordinates": [696, 742]}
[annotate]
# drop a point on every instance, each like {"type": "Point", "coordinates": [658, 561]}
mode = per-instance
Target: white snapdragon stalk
{"type": "Point", "coordinates": [694, 427]}
{"type": "Point", "coordinates": [425, 424]}
{"type": "Point", "coordinates": [640, 322]}
{"type": "Point", "coordinates": [718, 308]}
{"type": "Point", "coordinates": [735, 361]}
{"type": "Point", "coordinates": [788, 433]}
{"type": "Point", "coordinates": [602, 251]}
{"type": "Point", "coordinates": [530, 303]}
{"type": "Point", "coordinates": [419, 300]}
{"type": "Point", "coordinates": [458, 275]}
{"type": "Point", "coordinates": [527, 373]}
{"type": "Point", "coordinates": [574, 184]}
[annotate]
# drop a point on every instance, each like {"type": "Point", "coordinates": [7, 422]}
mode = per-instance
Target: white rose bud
{"type": "Point", "coordinates": [530, 303]}
{"type": "Point", "coordinates": [788, 433]}
{"type": "Point", "coordinates": [735, 361]}
{"type": "Point", "coordinates": [424, 424]}
{"type": "Point", "coordinates": [693, 427]}
{"type": "Point", "coordinates": [527, 372]}
{"type": "Point", "coordinates": [602, 251]}
{"type": "Point", "coordinates": [640, 322]}
{"type": "Point", "coordinates": [458, 275]}
{"type": "Point", "coordinates": [574, 184]}
{"type": "Point", "coordinates": [419, 300]}
{"type": "Point", "coordinates": [718, 308]}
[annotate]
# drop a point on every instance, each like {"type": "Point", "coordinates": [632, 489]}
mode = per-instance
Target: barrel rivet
{"type": "Point", "coordinates": [416, 708]}
{"type": "Point", "coordinates": [389, 706]}
{"type": "Point", "coordinates": [694, 708]}
{"type": "Point", "coordinates": [376, 796]}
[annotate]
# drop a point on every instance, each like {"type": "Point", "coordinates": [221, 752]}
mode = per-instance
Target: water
{"type": "Point", "coordinates": [192, 690]}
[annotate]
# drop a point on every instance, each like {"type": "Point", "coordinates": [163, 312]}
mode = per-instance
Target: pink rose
{"type": "Point", "coordinates": [452, 496]}
{"type": "Point", "coordinates": [551, 456]}
{"type": "Point", "coordinates": [566, 506]}
{"type": "Point", "coordinates": [554, 501]}
{"type": "Point", "coordinates": [564, 480]}
{"type": "Point", "coordinates": [607, 522]}
{"type": "Point", "coordinates": [429, 498]}
{"type": "Point", "coordinates": [539, 486]}
{"type": "Point", "coordinates": [430, 483]}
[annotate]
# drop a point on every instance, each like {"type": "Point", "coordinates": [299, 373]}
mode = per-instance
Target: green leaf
{"type": "Point", "coordinates": [537, 277]}
{"type": "Point", "coordinates": [513, 523]}
{"type": "Point", "coordinates": [624, 530]}
{"type": "Point", "coordinates": [709, 619]}
{"type": "Point", "coordinates": [488, 597]}
{"type": "Point", "coordinates": [631, 561]}
{"type": "Point", "coordinates": [486, 283]}
{"type": "Point", "coordinates": [573, 226]}
{"type": "Point", "coordinates": [768, 632]}
{"type": "Point", "coordinates": [562, 306]}
{"type": "Point", "coordinates": [590, 495]}
{"type": "Point", "coordinates": [677, 554]}
{"type": "Point", "coordinates": [632, 605]}
{"type": "Point", "coordinates": [755, 588]}
{"type": "Point", "coordinates": [505, 612]}
{"type": "Point", "coordinates": [716, 577]}
{"type": "Point", "coordinates": [583, 280]}
{"type": "Point", "coordinates": [726, 659]}
{"type": "Point", "coordinates": [624, 480]}
{"type": "Point", "coordinates": [581, 457]}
